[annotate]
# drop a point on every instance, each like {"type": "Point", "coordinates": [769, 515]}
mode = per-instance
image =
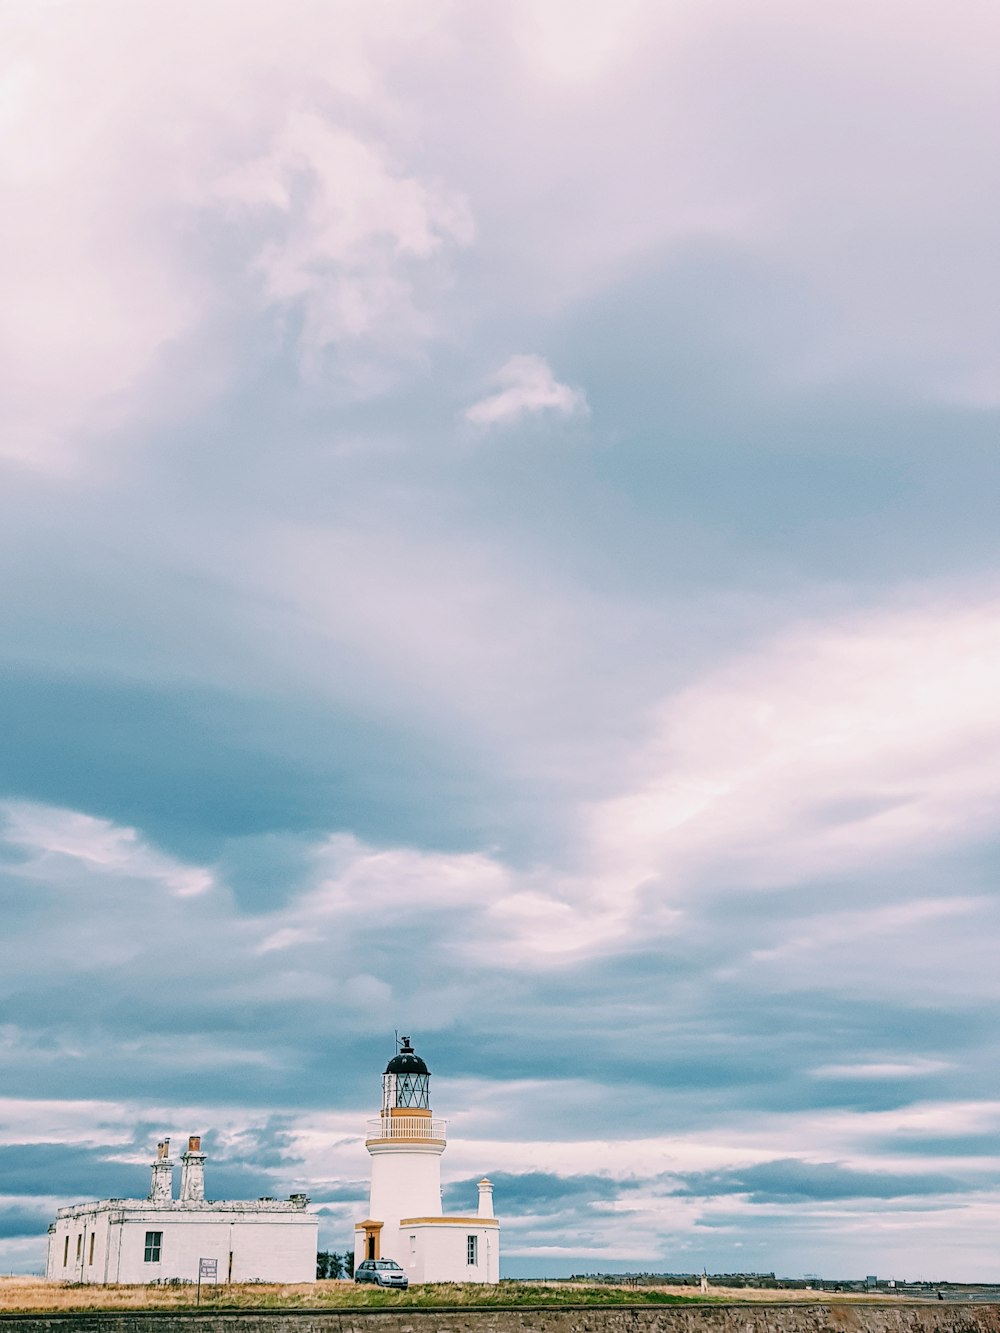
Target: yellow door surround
{"type": "Point", "coordinates": [373, 1237]}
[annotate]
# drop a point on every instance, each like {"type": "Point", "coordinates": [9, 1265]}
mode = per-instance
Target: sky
{"type": "Point", "coordinates": [498, 541]}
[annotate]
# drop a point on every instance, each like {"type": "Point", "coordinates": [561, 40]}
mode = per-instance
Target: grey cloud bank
{"type": "Point", "coordinates": [497, 539]}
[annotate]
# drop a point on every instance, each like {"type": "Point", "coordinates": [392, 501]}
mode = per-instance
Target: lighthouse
{"type": "Point", "coordinates": [405, 1220]}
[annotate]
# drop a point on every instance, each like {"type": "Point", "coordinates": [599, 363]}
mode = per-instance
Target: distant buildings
{"type": "Point", "coordinates": [161, 1238]}
{"type": "Point", "coordinates": [405, 1220]}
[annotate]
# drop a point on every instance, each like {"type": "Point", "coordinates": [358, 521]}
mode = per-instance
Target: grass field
{"type": "Point", "coordinates": [36, 1294]}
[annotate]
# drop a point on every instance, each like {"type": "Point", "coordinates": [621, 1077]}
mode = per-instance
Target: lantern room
{"type": "Point", "coordinates": [406, 1082]}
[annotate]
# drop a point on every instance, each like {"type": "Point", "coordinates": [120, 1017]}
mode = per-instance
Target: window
{"type": "Point", "coordinates": [93, 1237]}
{"type": "Point", "coordinates": [66, 1251]}
{"type": "Point", "coordinates": [472, 1250]}
{"type": "Point", "coordinates": [413, 1090]}
{"type": "Point", "coordinates": [154, 1243]}
{"type": "Point", "coordinates": [79, 1245]}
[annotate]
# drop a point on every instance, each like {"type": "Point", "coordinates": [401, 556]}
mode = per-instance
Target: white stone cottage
{"type": "Point", "coordinates": [161, 1238]}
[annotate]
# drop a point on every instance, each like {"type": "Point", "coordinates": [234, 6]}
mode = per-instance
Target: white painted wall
{"type": "Point", "coordinates": [273, 1242]}
{"type": "Point", "coordinates": [69, 1257]}
{"type": "Point", "coordinates": [438, 1251]}
{"type": "Point", "coordinates": [406, 1182]}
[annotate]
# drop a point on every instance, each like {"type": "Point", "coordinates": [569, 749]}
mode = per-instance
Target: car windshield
{"type": "Point", "coordinates": [387, 1263]}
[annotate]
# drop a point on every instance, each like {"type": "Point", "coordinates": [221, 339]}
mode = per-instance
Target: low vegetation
{"type": "Point", "coordinates": [36, 1294]}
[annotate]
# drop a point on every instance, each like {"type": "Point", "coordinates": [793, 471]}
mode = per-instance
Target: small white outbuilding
{"type": "Point", "coordinates": [162, 1239]}
{"type": "Point", "coordinates": [405, 1219]}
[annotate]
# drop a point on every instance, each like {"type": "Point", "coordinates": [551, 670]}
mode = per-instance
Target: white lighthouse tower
{"type": "Point", "coordinates": [405, 1221]}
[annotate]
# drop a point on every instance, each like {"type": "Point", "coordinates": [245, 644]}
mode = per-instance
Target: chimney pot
{"type": "Point", "coordinates": [193, 1172]}
{"type": "Point", "coordinates": [161, 1186]}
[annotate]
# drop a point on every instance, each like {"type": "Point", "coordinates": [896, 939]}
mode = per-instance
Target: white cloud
{"type": "Point", "coordinates": [288, 937]}
{"type": "Point", "coordinates": [574, 43]}
{"type": "Point", "coordinates": [831, 749]}
{"type": "Point", "coordinates": [500, 916]}
{"type": "Point", "coordinates": [137, 149]}
{"type": "Point", "coordinates": [344, 227]}
{"type": "Point", "coordinates": [806, 942]}
{"type": "Point", "coordinates": [883, 1069]}
{"type": "Point", "coordinates": [441, 629]}
{"type": "Point", "coordinates": [101, 846]}
{"type": "Point", "coordinates": [368, 993]}
{"type": "Point", "coordinates": [171, 174]}
{"type": "Point", "coordinates": [834, 747]}
{"type": "Point", "coordinates": [528, 385]}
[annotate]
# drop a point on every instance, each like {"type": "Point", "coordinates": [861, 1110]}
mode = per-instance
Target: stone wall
{"type": "Point", "coordinates": [897, 1317]}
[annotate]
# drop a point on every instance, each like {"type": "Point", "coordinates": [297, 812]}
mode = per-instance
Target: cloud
{"type": "Point", "coordinates": [790, 1181]}
{"type": "Point", "coordinates": [537, 1191]}
{"type": "Point", "coordinates": [110, 300]}
{"type": "Point", "coordinates": [344, 228]}
{"type": "Point", "coordinates": [884, 1069]}
{"type": "Point", "coordinates": [19, 1221]}
{"type": "Point", "coordinates": [259, 191]}
{"type": "Point", "coordinates": [76, 1171]}
{"type": "Point", "coordinates": [835, 746]}
{"type": "Point", "coordinates": [240, 1166]}
{"type": "Point", "coordinates": [528, 386]}
{"type": "Point", "coordinates": [51, 834]}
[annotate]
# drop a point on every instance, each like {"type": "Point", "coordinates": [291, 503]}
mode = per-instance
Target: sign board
{"type": "Point", "coordinates": [208, 1269]}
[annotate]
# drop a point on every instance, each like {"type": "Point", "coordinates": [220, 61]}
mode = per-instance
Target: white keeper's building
{"type": "Point", "coordinates": [161, 1238]}
{"type": "Point", "coordinates": [405, 1220]}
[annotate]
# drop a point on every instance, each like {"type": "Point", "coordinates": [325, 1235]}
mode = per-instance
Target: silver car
{"type": "Point", "coordinates": [383, 1272]}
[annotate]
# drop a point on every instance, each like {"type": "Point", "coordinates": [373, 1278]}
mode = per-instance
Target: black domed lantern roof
{"type": "Point", "coordinates": [407, 1061]}
{"type": "Point", "coordinates": [405, 1084]}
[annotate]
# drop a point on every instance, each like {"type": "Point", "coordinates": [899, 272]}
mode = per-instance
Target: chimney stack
{"type": "Point", "coordinates": [161, 1188]}
{"type": "Point", "coordinates": [485, 1198]}
{"type": "Point", "coordinates": [193, 1172]}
